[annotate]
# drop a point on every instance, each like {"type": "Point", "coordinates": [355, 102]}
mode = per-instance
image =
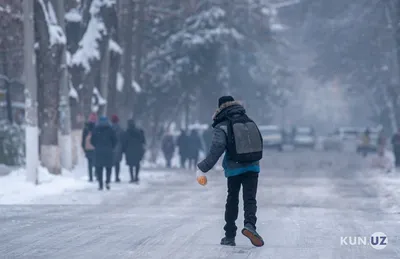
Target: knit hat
{"type": "Point", "coordinates": [92, 117]}
{"type": "Point", "coordinates": [114, 118]}
{"type": "Point", "coordinates": [225, 99]}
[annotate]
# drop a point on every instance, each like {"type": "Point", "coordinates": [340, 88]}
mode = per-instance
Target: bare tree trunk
{"type": "Point", "coordinates": [139, 41]}
{"type": "Point", "coordinates": [65, 139]}
{"type": "Point", "coordinates": [112, 84]}
{"type": "Point", "coordinates": [49, 57]}
{"type": "Point", "coordinates": [104, 74]}
{"type": "Point", "coordinates": [127, 39]}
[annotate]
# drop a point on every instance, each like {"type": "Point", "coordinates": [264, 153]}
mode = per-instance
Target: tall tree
{"type": "Point", "coordinates": [51, 42]}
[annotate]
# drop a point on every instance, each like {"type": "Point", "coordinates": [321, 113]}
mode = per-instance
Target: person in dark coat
{"type": "Point", "coordinates": [381, 143]}
{"type": "Point", "coordinates": [104, 141]}
{"type": "Point", "coordinates": [396, 147]}
{"type": "Point", "coordinates": [88, 148]}
{"type": "Point", "coordinates": [168, 148]}
{"type": "Point", "coordinates": [194, 148]}
{"type": "Point", "coordinates": [182, 143]}
{"type": "Point", "coordinates": [118, 149]}
{"type": "Point", "coordinates": [133, 146]}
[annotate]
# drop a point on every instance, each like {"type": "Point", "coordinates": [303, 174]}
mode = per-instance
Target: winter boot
{"type": "Point", "coordinates": [107, 186]}
{"type": "Point", "coordinates": [228, 241]}
{"type": "Point", "coordinates": [250, 232]}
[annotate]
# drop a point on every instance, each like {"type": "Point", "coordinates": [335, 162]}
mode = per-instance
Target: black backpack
{"type": "Point", "coordinates": [245, 143]}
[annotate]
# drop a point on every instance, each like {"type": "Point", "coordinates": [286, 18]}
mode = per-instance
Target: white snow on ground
{"type": "Point", "coordinates": [380, 171]}
{"type": "Point", "coordinates": [16, 190]}
{"type": "Point", "coordinates": [72, 187]}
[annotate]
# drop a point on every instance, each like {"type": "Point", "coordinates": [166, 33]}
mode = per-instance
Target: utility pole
{"type": "Point", "coordinates": [65, 138]}
{"type": "Point", "coordinates": [31, 111]}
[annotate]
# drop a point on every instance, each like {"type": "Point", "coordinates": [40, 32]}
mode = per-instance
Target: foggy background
{"type": "Point", "coordinates": [315, 63]}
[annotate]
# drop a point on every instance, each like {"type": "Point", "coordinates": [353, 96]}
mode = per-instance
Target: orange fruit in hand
{"type": "Point", "coordinates": [202, 180]}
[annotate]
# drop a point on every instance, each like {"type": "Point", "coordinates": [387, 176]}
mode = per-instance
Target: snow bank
{"type": "Point", "coordinates": [16, 190]}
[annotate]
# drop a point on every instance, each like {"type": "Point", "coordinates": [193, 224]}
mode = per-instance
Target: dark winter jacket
{"type": "Point", "coordinates": [219, 143]}
{"type": "Point", "coordinates": [183, 143]}
{"type": "Point", "coordinates": [86, 144]}
{"type": "Point", "coordinates": [168, 146]}
{"type": "Point", "coordinates": [118, 149]}
{"type": "Point", "coordinates": [104, 140]}
{"type": "Point", "coordinates": [133, 145]}
{"type": "Point", "coordinates": [194, 146]}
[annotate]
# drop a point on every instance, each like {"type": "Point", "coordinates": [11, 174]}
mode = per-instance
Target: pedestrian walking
{"type": "Point", "coordinates": [104, 141]}
{"type": "Point", "coordinates": [236, 135]}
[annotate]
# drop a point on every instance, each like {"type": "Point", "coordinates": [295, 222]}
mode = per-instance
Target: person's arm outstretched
{"type": "Point", "coordinates": [218, 147]}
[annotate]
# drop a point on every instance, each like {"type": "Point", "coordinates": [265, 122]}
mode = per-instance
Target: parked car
{"type": "Point", "coordinates": [273, 137]}
{"type": "Point", "coordinates": [343, 138]}
{"type": "Point", "coordinates": [349, 133]}
{"type": "Point", "coordinates": [304, 137]}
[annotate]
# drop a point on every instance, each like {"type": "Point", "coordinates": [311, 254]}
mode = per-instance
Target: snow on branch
{"type": "Point", "coordinates": [73, 93]}
{"type": "Point", "coordinates": [56, 34]}
{"type": "Point", "coordinates": [136, 87]}
{"type": "Point", "coordinates": [73, 16]}
{"type": "Point", "coordinates": [101, 101]}
{"type": "Point", "coordinates": [115, 47]}
{"type": "Point", "coordinates": [89, 45]}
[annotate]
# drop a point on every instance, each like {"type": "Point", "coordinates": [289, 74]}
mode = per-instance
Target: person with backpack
{"type": "Point", "coordinates": [88, 148]}
{"type": "Point", "coordinates": [104, 141]}
{"type": "Point", "coordinates": [236, 135]}
{"type": "Point", "coordinates": [133, 146]}
{"type": "Point", "coordinates": [168, 148]}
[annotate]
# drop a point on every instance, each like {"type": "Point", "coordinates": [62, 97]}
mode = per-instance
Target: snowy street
{"type": "Point", "coordinates": [307, 201]}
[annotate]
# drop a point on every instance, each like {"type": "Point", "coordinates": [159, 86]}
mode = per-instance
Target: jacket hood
{"type": "Point", "coordinates": [227, 109]}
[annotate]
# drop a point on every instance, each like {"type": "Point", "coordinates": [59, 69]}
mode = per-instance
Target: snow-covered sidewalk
{"type": "Point", "coordinates": [73, 188]}
{"type": "Point", "coordinates": [16, 190]}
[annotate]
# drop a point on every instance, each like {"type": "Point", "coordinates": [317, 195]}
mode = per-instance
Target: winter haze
{"type": "Point", "coordinates": [116, 137]}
